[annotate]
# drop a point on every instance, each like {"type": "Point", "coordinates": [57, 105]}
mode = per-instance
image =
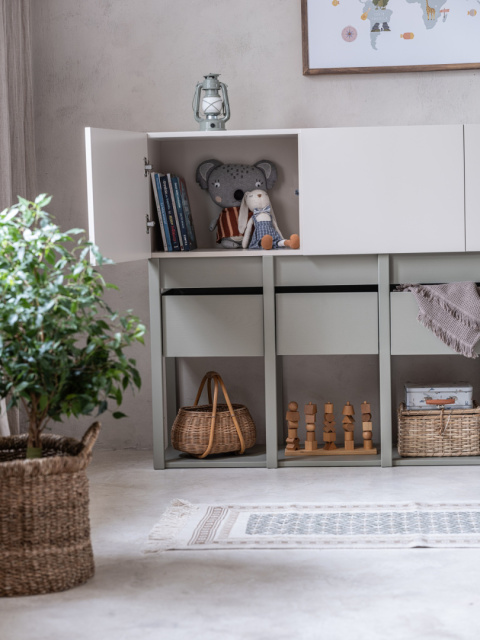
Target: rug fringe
{"type": "Point", "coordinates": [163, 534]}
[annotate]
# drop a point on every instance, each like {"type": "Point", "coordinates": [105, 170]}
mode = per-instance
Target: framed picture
{"type": "Point", "coordinates": [378, 36]}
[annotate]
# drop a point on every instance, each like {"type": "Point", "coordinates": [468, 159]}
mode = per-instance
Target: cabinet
{"type": "Point", "coordinates": [376, 207]}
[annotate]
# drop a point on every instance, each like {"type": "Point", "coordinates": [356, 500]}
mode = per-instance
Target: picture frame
{"type": "Point", "coordinates": [339, 37]}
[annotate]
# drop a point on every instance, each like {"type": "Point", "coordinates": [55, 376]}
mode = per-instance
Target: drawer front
{"type": "Point", "coordinates": [408, 336]}
{"type": "Point", "coordinates": [436, 268]}
{"type": "Point", "coordinates": [325, 270]}
{"type": "Point", "coordinates": [230, 325]}
{"type": "Point", "coordinates": [327, 323]}
{"type": "Point", "coordinates": [210, 272]}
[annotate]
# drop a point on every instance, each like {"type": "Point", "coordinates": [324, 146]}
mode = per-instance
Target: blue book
{"type": "Point", "coordinates": [188, 214]}
{"type": "Point", "coordinates": [180, 213]}
{"type": "Point", "coordinates": [170, 215]}
{"type": "Point", "coordinates": [162, 213]}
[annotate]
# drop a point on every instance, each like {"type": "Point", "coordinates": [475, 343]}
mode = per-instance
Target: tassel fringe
{"type": "Point", "coordinates": [454, 311]}
{"type": "Point", "coordinates": [171, 523]}
{"type": "Point", "coordinates": [451, 341]}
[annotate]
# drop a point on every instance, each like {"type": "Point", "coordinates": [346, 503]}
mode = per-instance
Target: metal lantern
{"type": "Point", "coordinates": [215, 108]}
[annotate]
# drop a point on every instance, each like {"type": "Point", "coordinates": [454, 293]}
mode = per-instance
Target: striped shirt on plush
{"type": "Point", "coordinates": [227, 225]}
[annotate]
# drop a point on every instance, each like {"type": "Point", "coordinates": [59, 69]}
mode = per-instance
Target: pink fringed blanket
{"type": "Point", "coordinates": [451, 311]}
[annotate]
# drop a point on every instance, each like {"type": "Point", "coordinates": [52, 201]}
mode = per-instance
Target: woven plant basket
{"type": "Point", "coordinates": [438, 433]}
{"type": "Point", "coordinates": [213, 428]}
{"type": "Point", "coordinates": [44, 524]}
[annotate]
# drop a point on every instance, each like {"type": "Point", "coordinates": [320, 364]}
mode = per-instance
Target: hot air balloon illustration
{"type": "Point", "coordinates": [407, 36]}
{"type": "Point", "coordinates": [364, 15]}
{"type": "Point", "coordinates": [335, 2]}
{"type": "Point", "coordinates": [472, 12]}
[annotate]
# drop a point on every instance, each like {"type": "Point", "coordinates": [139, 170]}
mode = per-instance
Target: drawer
{"type": "Point", "coordinates": [325, 270]}
{"type": "Point", "coordinates": [212, 325]}
{"type": "Point", "coordinates": [434, 268]}
{"type": "Point", "coordinates": [210, 272]}
{"type": "Point", "coordinates": [327, 323]}
{"type": "Point", "coordinates": [408, 336]}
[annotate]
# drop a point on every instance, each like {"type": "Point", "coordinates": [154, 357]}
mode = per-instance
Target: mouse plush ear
{"type": "Point", "coordinates": [243, 215]}
{"type": "Point", "coordinates": [270, 171]}
{"type": "Point", "coordinates": [204, 170]}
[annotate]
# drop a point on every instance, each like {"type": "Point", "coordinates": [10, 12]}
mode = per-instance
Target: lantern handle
{"type": "Point", "coordinates": [226, 105]}
{"type": "Point", "coordinates": [196, 102]}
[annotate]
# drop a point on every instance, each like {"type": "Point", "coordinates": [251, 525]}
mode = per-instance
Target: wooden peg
{"type": "Point", "coordinates": [329, 417]}
{"type": "Point", "coordinates": [368, 444]}
{"type": "Point", "coordinates": [367, 435]}
{"type": "Point", "coordinates": [348, 410]}
{"type": "Point", "coordinates": [365, 407]}
{"type": "Point", "coordinates": [292, 406]}
{"type": "Point", "coordinates": [328, 407]}
{"type": "Point", "coordinates": [348, 420]}
{"type": "Point", "coordinates": [310, 418]}
{"type": "Point", "coordinates": [367, 426]}
{"type": "Point", "coordinates": [310, 409]}
{"type": "Point", "coordinates": [329, 437]}
{"type": "Point", "coordinates": [366, 417]}
{"type": "Point", "coordinates": [349, 445]}
{"type": "Point", "coordinates": [294, 416]}
{"type": "Point", "coordinates": [349, 435]}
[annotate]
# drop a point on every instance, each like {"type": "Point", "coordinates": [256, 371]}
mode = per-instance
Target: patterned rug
{"type": "Point", "coordinates": [306, 526]}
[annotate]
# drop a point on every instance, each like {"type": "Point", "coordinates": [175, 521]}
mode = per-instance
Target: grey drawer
{"type": "Point", "coordinates": [408, 336]}
{"type": "Point", "coordinates": [325, 270]}
{"type": "Point", "coordinates": [441, 267]}
{"type": "Point", "coordinates": [212, 325]}
{"type": "Point", "coordinates": [179, 273]}
{"type": "Point", "coordinates": [327, 323]}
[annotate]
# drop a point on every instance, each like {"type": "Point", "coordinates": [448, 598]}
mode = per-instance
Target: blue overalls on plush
{"type": "Point", "coordinates": [263, 228]}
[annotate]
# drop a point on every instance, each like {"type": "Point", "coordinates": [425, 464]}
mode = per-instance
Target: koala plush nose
{"type": "Point", "coordinates": [238, 195]}
{"type": "Point", "coordinates": [259, 195]}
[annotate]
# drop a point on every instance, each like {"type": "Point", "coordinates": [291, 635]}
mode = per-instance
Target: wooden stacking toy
{"type": "Point", "coordinates": [293, 416]}
{"type": "Point", "coordinates": [348, 424]}
{"type": "Point", "coordinates": [310, 447]}
{"type": "Point", "coordinates": [310, 419]}
{"type": "Point", "coordinates": [329, 434]}
{"type": "Point", "coordinates": [367, 425]}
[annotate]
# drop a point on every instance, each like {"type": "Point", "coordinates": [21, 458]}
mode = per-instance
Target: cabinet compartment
{"type": "Point", "coordinates": [408, 336]}
{"type": "Point", "coordinates": [327, 323]}
{"type": "Point", "coordinates": [183, 153]}
{"type": "Point", "coordinates": [325, 270]}
{"type": "Point", "coordinates": [214, 272]}
{"type": "Point", "coordinates": [382, 190]}
{"type": "Point", "coordinates": [212, 325]}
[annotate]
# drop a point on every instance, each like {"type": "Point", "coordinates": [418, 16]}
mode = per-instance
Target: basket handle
{"type": "Point", "coordinates": [217, 379]}
{"type": "Point", "coordinates": [89, 438]}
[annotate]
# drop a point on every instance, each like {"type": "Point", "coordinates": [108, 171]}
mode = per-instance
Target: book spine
{"type": "Point", "coordinates": [159, 213]}
{"type": "Point", "coordinates": [180, 213]}
{"type": "Point", "coordinates": [170, 217]}
{"type": "Point", "coordinates": [174, 207]}
{"type": "Point", "coordinates": [162, 214]}
{"type": "Point", "coordinates": [188, 214]}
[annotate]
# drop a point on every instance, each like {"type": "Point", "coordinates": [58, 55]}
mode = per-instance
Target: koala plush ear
{"type": "Point", "coordinates": [270, 171]}
{"type": "Point", "coordinates": [204, 170]}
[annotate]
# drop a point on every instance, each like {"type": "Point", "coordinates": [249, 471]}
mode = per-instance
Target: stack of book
{"type": "Point", "coordinates": [175, 219]}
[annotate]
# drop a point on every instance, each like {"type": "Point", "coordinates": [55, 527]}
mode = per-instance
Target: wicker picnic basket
{"type": "Point", "coordinates": [202, 430]}
{"type": "Point", "coordinates": [44, 523]}
{"type": "Point", "coordinates": [439, 433]}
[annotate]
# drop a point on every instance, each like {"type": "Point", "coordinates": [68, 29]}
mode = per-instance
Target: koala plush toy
{"type": "Point", "coordinates": [226, 184]}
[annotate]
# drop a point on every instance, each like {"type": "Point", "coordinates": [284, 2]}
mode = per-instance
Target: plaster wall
{"type": "Point", "coordinates": [125, 64]}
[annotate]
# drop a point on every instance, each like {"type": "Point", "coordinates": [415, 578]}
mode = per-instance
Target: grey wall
{"type": "Point", "coordinates": [131, 64]}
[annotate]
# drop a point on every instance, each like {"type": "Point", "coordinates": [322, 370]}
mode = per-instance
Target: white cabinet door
{"type": "Point", "coordinates": [118, 193]}
{"type": "Point", "coordinates": [472, 186]}
{"type": "Point", "coordinates": [382, 190]}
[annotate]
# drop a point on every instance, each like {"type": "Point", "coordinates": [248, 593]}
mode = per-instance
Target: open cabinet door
{"type": "Point", "coordinates": [118, 193]}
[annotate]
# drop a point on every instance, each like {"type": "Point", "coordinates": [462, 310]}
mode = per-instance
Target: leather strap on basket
{"type": "Point", "coordinates": [209, 376]}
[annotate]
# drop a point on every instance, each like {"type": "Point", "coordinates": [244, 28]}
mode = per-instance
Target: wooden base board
{"type": "Point", "coordinates": [341, 451]}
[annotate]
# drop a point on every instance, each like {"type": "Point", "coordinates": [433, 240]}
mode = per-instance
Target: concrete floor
{"type": "Point", "coordinates": [228, 595]}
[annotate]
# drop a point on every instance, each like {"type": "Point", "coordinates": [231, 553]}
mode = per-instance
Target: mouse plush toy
{"type": "Point", "coordinates": [226, 185]}
{"type": "Point", "coordinates": [261, 229]}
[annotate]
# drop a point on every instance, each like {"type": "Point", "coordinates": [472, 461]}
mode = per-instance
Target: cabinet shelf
{"type": "Point", "coordinates": [459, 461]}
{"type": "Point", "coordinates": [328, 461]}
{"type": "Point", "coordinates": [254, 457]}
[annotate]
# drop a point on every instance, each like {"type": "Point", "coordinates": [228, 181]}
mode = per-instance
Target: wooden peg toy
{"type": "Point", "coordinates": [310, 419]}
{"type": "Point", "coordinates": [367, 425]}
{"type": "Point", "coordinates": [293, 416]}
{"type": "Point", "coordinates": [348, 424]}
{"type": "Point", "coordinates": [329, 434]}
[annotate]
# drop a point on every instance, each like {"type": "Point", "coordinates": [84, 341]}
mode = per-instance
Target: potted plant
{"type": "Point", "coordinates": [62, 354]}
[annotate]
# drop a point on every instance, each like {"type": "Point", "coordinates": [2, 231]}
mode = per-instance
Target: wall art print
{"type": "Point", "coordinates": [372, 36]}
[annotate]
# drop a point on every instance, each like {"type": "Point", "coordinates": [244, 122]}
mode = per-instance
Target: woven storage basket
{"type": "Point", "coordinates": [213, 428]}
{"type": "Point", "coordinates": [438, 433]}
{"type": "Point", "coordinates": [44, 524]}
